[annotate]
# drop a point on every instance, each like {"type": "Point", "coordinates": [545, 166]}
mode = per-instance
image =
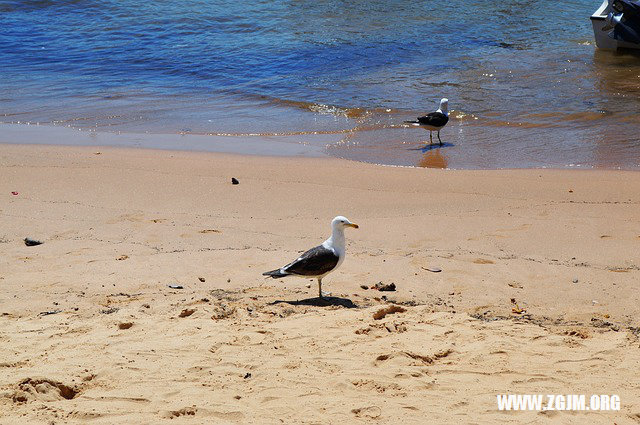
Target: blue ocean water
{"type": "Point", "coordinates": [526, 83]}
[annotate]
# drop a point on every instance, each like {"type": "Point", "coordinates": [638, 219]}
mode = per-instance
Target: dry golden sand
{"type": "Point", "coordinates": [231, 347]}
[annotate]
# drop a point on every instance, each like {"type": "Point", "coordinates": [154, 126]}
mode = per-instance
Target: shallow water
{"type": "Point", "coordinates": [526, 84]}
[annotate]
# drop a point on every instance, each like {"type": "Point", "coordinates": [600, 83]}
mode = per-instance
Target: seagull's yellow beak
{"type": "Point", "coordinates": [355, 226]}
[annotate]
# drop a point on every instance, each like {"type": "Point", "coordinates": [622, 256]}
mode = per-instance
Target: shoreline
{"type": "Point", "coordinates": [307, 145]}
{"type": "Point", "coordinates": [120, 226]}
{"type": "Point", "coordinates": [285, 145]}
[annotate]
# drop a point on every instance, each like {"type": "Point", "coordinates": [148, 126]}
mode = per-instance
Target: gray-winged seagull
{"type": "Point", "coordinates": [321, 260]}
{"type": "Point", "coordinates": [434, 121]}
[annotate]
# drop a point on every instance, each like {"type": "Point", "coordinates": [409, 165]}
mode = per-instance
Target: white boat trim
{"type": "Point", "coordinates": [603, 41]}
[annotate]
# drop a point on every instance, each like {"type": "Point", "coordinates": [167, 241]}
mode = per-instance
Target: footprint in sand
{"type": "Point", "coordinates": [372, 412]}
{"type": "Point", "coordinates": [185, 411]}
{"type": "Point", "coordinates": [132, 218]}
{"type": "Point", "coordinates": [45, 389]}
{"type": "Point", "coordinates": [482, 261]}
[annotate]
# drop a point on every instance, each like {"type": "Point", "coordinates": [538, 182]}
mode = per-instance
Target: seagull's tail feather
{"type": "Point", "coordinates": [275, 273]}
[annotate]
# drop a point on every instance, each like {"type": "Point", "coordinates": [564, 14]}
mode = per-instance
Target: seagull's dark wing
{"type": "Point", "coordinates": [436, 119]}
{"type": "Point", "coordinates": [315, 262]}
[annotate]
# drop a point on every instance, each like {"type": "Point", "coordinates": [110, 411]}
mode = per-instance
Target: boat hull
{"type": "Point", "coordinates": [603, 41]}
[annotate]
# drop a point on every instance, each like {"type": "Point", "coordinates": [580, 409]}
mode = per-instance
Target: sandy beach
{"type": "Point", "coordinates": [537, 292]}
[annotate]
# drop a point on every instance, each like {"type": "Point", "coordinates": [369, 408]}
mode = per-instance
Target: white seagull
{"type": "Point", "coordinates": [434, 121]}
{"type": "Point", "coordinates": [321, 260]}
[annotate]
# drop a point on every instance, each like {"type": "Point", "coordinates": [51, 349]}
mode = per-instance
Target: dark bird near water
{"type": "Point", "coordinates": [434, 121]}
{"type": "Point", "coordinates": [321, 260]}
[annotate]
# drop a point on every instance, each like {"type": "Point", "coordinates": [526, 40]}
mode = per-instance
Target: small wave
{"type": "Point", "coordinates": [272, 134]}
{"type": "Point", "coordinates": [515, 123]}
{"type": "Point", "coordinates": [584, 116]}
{"type": "Point", "coordinates": [353, 113]}
{"type": "Point", "coordinates": [462, 116]}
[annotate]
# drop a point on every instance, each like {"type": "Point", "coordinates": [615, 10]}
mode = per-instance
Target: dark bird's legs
{"type": "Point", "coordinates": [431, 137]}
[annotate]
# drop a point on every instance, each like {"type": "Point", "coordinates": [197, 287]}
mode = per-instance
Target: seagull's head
{"type": "Point", "coordinates": [341, 222]}
{"type": "Point", "coordinates": [444, 105]}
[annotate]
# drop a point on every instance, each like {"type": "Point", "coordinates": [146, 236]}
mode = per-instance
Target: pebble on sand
{"type": "Point", "coordinates": [32, 242]}
{"type": "Point", "coordinates": [234, 180]}
{"type": "Point", "coordinates": [432, 269]}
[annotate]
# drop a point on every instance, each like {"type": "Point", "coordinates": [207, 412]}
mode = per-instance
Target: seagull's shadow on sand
{"type": "Point", "coordinates": [428, 147]}
{"type": "Point", "coordinates": [319, 302]}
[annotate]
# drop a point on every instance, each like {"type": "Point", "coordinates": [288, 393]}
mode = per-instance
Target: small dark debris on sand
{"type": "Point", "coordinates": [234, 180]}
{"type": "Point", "coordinates": [384, 286]}
{"type": "Point", "coordinates": [201, 279]}
{"type": "Point", "coordinates": [48, 313]}
{"type": "Point", "coordinates": [248, 375]}
{"type": "Point", "coordinates": [516, 308]}
{"type": "Point", "coordinates": [599, 323]}
{"type": "Point", "coordinates": [380, 314]}
{"type": "Point", "coordinates": [577, 333]}
{"type": "Point", "coordinates": [223, 311]}
{"type": "Point", "coordinates": [176, 286]}
{"type": "Point", "coordinates": [187, 312]}
{"type": "Point", "coordinates": [125, 325]}
{"type": "Point", "coordinates": [32, 242]}
{"type": "Point", "coordinates": [364, 286]}
{"type": "Point", "coordinates": [109, 310]}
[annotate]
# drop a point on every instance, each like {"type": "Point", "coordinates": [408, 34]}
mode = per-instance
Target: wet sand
{"type": "Point", "coordinates": [537, 293]}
